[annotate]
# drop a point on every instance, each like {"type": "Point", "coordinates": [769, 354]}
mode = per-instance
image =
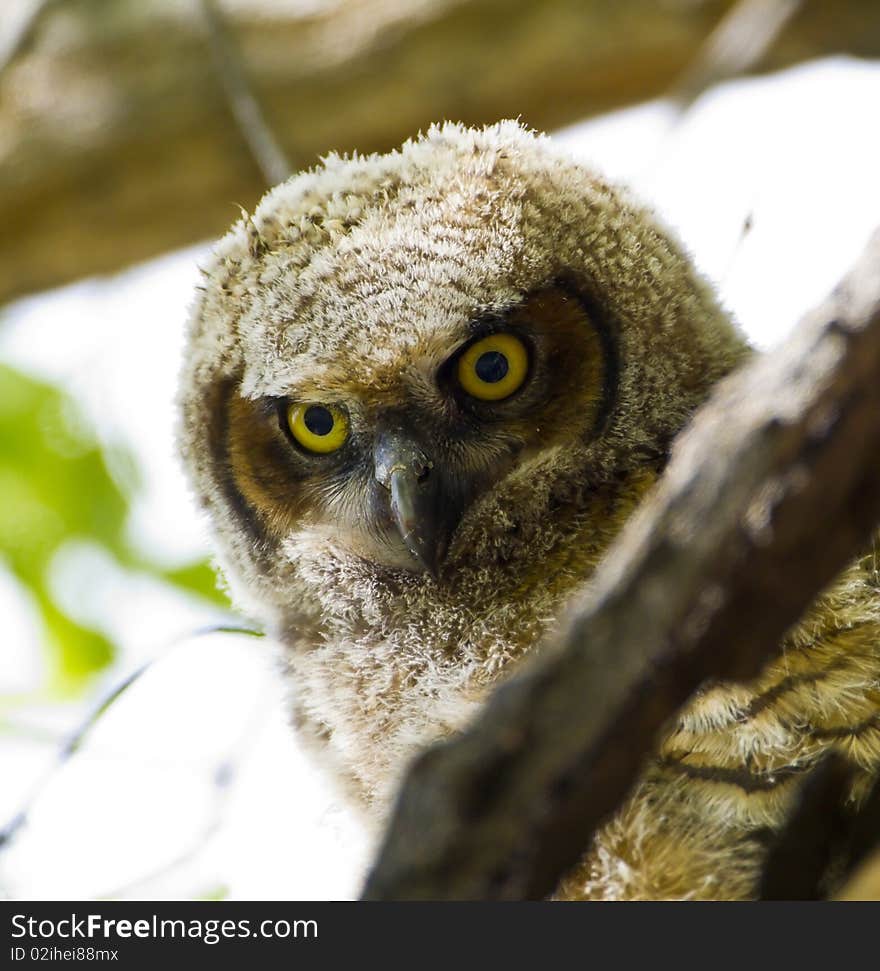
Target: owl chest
{"type": "Point", "coordinates": [370, 706]}
{"type": "Point", "coordinates": [373, 696]}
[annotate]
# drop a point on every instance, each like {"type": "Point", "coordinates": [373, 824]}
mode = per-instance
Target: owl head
{"type": "Point", "coordinates": [425, 364]}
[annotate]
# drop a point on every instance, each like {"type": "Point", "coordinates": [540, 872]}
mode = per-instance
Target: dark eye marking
{"type": "Point", "coordinates": [223, 404]}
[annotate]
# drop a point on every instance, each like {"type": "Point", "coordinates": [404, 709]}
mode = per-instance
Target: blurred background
{"type": "Point", "coordinates": [143, 744]}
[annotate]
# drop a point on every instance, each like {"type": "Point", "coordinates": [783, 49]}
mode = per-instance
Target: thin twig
{"type": "Point", "coordinates": [25, 31]}
{"type": "Point", "coordinates": [67, 749]}
{"type": "Point", "coordinates": [737, 44]}
{"type": "Point", "coordinates": [72, 743]}
{"type": "Point", "coordinates": [224, 778]}
{"type": "Point", "coordinates": [259, 137]}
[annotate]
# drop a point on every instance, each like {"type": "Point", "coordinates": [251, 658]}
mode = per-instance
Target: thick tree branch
{"type": "Point", "coordinates": [773, 489]}
{"type": "Point", "coordinates": [117, 142]}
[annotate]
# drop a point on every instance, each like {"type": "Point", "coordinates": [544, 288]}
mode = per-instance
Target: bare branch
{"type": "Point", "coordinates": [23, 31]}
{"type": "Point", "coordinates": [742, 38]}
{"type": "Point", "coordinates": [263, 145]}
{"type": "Point", "coordinates": [113, 118]}
{"type": "Point", "coordinates": [73, 742]}
{"type": "Point", "coordinates": [728, 543]}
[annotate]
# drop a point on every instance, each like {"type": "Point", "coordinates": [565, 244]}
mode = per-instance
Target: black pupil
{"type": "Point", "coordinates": [318, 420]}
{"type": "Point", "coordinates": [491, 367]}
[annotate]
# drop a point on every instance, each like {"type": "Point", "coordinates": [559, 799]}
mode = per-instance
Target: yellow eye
{"type": "Point", "coordinates": [494, 367]}
{"type": "Point", "coordinates": [318, 428]}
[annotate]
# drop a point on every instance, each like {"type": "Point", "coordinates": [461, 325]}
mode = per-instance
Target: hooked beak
{"type": "Point", "coordinates": [416, 498]}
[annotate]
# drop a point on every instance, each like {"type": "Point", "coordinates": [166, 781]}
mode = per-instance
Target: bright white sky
{"type": "Point", "coordinates": [137, 812]}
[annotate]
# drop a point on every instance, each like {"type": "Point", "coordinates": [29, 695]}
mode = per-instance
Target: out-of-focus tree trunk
{"type": "Point", "coordinates": [117, 142]}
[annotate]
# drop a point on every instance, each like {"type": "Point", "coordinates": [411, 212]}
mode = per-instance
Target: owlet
{"type": "Point", "coordinates": [422, 392]}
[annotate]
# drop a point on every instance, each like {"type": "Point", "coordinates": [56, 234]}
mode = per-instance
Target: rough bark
{"type": "Point", "coordinates": [771, 491]}
{"type": "Point", "coordinates": [117, 141]}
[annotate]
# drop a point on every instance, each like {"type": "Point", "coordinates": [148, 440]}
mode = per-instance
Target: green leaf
{"type": "Point", "coordinates": [56, 485]}
{"type": "Point", "coordinates": [199, 578]}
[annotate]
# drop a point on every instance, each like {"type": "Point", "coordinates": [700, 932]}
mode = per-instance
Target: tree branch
{"type": "Point", "coordinates": [115, 137]}
{"type": "Point", "coordinates": [263, 145]}
{"type": "Point", "coordinates": [770, 493]}
{"type": "Point", "coordinates": [739, 42]}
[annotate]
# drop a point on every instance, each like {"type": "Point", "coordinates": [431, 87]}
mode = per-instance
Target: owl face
{"type": "Point", "coordinates": [412, 363]}
{"type": "Point", "coordinates": [388, 464]}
